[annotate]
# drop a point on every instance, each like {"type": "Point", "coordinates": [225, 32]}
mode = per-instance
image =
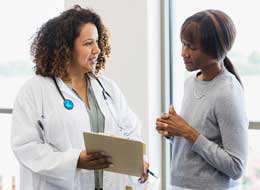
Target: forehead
{"type": "Point", "coordinates": [190, 32]}
{"type": "Point", "coordinates": [88, 30]}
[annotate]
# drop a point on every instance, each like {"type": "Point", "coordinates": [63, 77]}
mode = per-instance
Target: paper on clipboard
{"type": "Point", "coordinates": [127, 155]}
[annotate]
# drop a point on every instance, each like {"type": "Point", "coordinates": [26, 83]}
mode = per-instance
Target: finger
{"type": "Point", "coordinates": [143, 179]}
{"type": "Point", "coordinates": [146, 166]}
{"type": "Point", "coordinates": [172, 110]}
{"type": "Point", "coordinates": [169, 122]}
{"type": "Point", "coordinates": [97, 152]}
{"type": "Point", "coordinates": [160, 131]}
{"type": "Point", "coordinates": [161, 123]}
{"type": "Point", "coordinates": [96, 155]}
{"type": "Point", "coordinates": [163, 132]}
{"type": "Point", "coordinates": [161, 126]}
{"type": "Point", "coordinates": [165, 116]}
{"type": "Point", "coordinates": [98, 162]}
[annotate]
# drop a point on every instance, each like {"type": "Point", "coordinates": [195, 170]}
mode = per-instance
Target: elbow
{"type": "Point", "coordinates": [236, 175]}
{"type": "Point", "coordinates": [237, 171]}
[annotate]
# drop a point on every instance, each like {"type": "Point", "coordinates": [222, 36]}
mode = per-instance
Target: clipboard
{"type": "Point", "coordinates": [127, 155]}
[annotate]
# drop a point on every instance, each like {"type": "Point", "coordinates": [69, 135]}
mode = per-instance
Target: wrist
{"type": "Point", "coordinates": [192, 135]}
{"type": "Point", "coordinates": [79, 163]}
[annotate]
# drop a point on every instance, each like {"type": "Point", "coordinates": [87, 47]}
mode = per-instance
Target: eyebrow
{"type": "Point", "coordinates": [87, 40]}
{"type": "Point", "coordinates": [90, 40]}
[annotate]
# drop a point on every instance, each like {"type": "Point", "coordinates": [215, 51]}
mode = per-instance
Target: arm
{"type": "Point", "coordinates": [128, 120]}
{"type": "Point", "coordinates": [232, 120]}
{"type": "Point", "coordinates": [131, 125]}
{"type": "Point", "coordinates": [59, 168]}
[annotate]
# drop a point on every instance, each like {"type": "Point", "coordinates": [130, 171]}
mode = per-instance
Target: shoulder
{"type": "Point", "coordinates": [34, 85]}
{"type": "Point", "coordinates": [107, 82]}
{"type": "Point", "coordinates": [111, 86]}
{"type": "Point", "coordinates": [228, 88]}
{"type": "Point", "coordinates": [228, 83]}
{"type": "Point", "coordinates": [105, 79]}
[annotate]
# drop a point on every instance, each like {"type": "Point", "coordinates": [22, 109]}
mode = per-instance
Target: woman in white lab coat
{"type": "Point", "coordinates": [65, 98]}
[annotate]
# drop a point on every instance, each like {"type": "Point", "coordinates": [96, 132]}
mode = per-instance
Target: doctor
{"type": "Point", "coordinates": [67, 97]}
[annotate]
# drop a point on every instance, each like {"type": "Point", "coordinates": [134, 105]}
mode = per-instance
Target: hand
{"type": "Point", "coordinates": [166, 116]}
{"type": "Point", "coordinates": [174, 125]}
{"type": "Point", "coordinates": [94, 160]}
{"type": "Point", "coordinates": [144, 176]}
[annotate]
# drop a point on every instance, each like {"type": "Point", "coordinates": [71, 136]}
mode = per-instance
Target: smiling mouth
{"type": "Point", "coordinates": [94, 61]}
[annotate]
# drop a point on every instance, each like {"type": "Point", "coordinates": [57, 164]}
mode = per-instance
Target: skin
{"type": "Point", "coordinates": [171, 124]}
{"type": "Point", "coordinates": [85, 54]}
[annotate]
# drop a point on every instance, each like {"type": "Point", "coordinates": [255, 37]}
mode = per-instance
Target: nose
{"type": "Point", "coordinates": [184, 51]}
{"type": "Point", "coordinates": [96, 49]}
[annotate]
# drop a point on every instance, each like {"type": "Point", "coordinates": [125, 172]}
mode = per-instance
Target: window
{"type": "Point", "coordinates": [19, 21]}
{"type": "Point", "coordinates": [245, 55]}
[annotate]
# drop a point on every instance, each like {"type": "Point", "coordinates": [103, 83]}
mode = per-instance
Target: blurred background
{"type": "Point", "coordinates": [146, 52]}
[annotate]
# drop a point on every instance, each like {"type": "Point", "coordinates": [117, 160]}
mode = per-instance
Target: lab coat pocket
{"type": "Point", "coordinates": [53, 133]}
{"type": "Point", "coordinates": [41, 128]}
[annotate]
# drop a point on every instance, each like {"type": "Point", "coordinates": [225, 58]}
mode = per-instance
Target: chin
{"type": "Point", "coordinates": [89, 68]}
{"type": "Point", "coordinates": [190, 68]}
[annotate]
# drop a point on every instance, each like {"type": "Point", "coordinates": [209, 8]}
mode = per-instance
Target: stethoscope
{"type": "Point", "coordinates": [68, 104]}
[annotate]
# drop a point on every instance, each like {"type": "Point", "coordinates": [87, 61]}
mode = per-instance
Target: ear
{"type": "Point", "coordinates": [172, 110]}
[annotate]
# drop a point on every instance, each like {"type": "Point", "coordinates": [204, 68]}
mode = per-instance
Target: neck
{"type": "Point", "coordinates": [210, 72]}
{"type": "Point", "coordinates": [77, 77]}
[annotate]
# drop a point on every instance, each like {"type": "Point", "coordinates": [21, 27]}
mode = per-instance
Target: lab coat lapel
{"type": "Point", "coordinates": [67, 90]}
{"type": "Point", "coordinates": [68, 93]}
{"type": "Point", "coordinates": [110, 126]}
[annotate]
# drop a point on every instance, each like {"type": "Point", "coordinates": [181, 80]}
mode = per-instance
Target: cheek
{"type": "Point", "coordinates": [82, 51]}
{"type": "Point", "coordinates": [83, 56]}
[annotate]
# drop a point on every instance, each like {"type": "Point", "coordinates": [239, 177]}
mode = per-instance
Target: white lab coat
{"type": "Point", "coordinates": [48, 157]}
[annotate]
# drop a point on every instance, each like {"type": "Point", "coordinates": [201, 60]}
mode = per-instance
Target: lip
{"type": "Point", "coordinates": [93, 60]}
{"type": "Point", "coordinates": [187, 62]}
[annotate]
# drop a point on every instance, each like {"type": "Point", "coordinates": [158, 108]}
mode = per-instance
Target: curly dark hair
{"type": "Point", "coordinates": [52, 45]}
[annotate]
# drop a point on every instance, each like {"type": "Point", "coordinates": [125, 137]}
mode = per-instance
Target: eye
{"type": "Point", "coordinates": [88, 43]}
{"type": "Point", "coordinates": [189, 46]}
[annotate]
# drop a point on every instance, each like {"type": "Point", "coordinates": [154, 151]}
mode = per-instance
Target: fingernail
{"type": "Point", "coordinates": [141, 180]}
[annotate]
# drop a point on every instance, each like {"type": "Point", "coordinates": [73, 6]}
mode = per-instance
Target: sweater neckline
{"type": "Point", "coordinates": [202, 88]}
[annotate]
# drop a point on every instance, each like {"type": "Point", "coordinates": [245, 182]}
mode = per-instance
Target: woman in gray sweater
{"type": "Point", "coordinates": [209, 136]}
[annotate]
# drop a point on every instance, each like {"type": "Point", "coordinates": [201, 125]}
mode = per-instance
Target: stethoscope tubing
{"type": "Point", "coordinates": [68, 104]}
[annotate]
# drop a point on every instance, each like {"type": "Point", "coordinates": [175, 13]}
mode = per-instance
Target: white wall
{"type": "Point", "coordinates": [135, 61]}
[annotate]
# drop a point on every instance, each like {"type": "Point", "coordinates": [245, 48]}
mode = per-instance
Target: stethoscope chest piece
{"type": "Point", "coordinates": [68, 104]}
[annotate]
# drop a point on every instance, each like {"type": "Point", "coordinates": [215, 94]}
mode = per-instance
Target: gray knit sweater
{"type": "Point", "coordinates": [218, 157]}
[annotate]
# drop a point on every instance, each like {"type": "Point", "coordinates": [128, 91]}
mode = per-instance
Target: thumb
{"type": "Point", "coordinates": [172, 110]}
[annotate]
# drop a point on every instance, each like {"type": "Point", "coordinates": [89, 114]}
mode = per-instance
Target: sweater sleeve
{"type": "Point", "coordinates": [230, 157]}
{"type": "Point", "coordinates": [58, 168]}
